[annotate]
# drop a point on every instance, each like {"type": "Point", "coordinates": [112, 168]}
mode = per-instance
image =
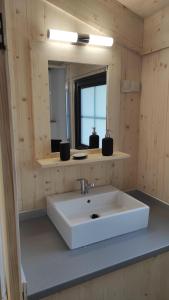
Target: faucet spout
{"type": "Point", "coordinates": [85, 185]}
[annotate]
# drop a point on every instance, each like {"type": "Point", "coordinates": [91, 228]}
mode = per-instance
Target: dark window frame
{"type": "Point", "coordinates": [90, 81]}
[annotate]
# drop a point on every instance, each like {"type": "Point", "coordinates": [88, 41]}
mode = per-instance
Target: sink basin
{"type": "Point", "coordinates": [102, 214]}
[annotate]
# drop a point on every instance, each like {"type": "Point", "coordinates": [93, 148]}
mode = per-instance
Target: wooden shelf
{"type": "Point", "coordinates": [92, 158]}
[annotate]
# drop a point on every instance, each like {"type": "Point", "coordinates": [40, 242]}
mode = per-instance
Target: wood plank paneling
{"type": "Point", "coordinates": [147, 280]}
{"type": "Point", "coordinates": [28, 20]}
{"type": "Point", "coordinates": [153, 176]}
{"type": "Point", "coordinates": [129, 118]}
{"type": "Point", "coordinates": [156, 31]}
{"type": "Point", "coordinates": [144, 8]}
{"type": "Point", "coordinates": [8, 204]}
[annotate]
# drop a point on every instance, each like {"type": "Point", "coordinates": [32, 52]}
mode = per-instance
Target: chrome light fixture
{"type": "Point", "coordinates": [76, 38]}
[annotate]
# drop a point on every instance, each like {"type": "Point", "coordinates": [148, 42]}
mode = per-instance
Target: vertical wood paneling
{"type": "Point", "coordinates": [129, 116]}
{"type": "Point", "coordinates": [8, 195]}
{"type": "Point", "coordinates": [154, 133]}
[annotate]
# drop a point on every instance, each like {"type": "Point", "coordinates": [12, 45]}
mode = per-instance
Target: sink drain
{"type": "Point", "coordinates": [94, 216]}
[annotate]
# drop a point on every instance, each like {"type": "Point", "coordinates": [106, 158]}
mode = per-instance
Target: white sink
{"type": "Point", "coordinates": [114, 213]}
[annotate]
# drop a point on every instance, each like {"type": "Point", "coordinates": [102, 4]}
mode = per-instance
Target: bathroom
{"type": "Point", "coordinates": [36, 259]}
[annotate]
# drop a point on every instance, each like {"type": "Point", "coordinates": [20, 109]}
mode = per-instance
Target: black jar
{"type": "Point", "coordinates": [64, 151]}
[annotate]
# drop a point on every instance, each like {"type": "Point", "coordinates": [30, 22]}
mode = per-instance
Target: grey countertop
{"type": "Point", "coordinates": [50, 266]}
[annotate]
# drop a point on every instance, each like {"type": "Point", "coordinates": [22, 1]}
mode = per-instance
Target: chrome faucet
{"type": "Point", "coordinates": [85, 185]}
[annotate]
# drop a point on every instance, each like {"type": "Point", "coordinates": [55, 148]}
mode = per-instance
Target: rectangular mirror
{"type": "Point", "coordinates": [78, 103]}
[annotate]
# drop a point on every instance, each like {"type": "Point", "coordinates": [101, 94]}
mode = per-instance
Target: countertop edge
{"type": "Point", "coordinates": [83, 279]}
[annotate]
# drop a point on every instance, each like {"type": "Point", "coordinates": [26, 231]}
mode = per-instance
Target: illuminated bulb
{"type": "Point", "coordinates": [98, 40]}
{"type": "Point", "coordinates": [62, 36]}
{"type": "Point", "coordinates": [74, 37]}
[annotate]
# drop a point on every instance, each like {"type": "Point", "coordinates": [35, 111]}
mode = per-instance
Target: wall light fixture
{"type": "Point", "coordinates": [76, 38]}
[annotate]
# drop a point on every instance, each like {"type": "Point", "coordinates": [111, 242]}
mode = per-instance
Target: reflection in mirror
{"type": "Point", "coordinates": [78, 95]}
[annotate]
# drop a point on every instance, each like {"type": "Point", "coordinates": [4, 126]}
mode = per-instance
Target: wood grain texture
{"type": "Point", "coordinates": [144, 8]}
{"type": "Point", "coordinates": [153, 175]}
{"type": "Point", "coordinates": [8, 204]}
{"type": "Point", "coordinates": [91, 159]}
{"type": "Point", "coordinates": [147, 280]}
{"type": "Point", "coordinates": [129, 118]}
{"type": "Point", "coordinates": [109, 17]}
{"type": "Point", "coordinates": [28, 21]}
{"type": "Point", "coordinates": [156, 31]}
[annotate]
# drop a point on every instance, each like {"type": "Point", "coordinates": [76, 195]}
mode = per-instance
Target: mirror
{"type": "Point", "coordinates": [78, 102]}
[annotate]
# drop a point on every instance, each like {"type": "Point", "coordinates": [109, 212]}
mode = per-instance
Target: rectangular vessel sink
{"type": "Point", "coordinates": [102, 214]}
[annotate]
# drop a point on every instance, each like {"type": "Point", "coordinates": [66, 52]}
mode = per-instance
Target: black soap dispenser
{"type": "Point", "coordinates": [94, 139]}
{"type": "Point", "coordinates": [107, 144]}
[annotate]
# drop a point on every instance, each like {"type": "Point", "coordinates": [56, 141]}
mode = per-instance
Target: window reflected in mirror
{"type": "Point", "coordinates": [78, 94]}
{"type": "Point", "coordinates": [90, 108]}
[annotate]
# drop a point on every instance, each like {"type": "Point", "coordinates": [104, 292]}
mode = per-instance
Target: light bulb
{"type": "Point", "coordinates": [98, 40]}
{"type": "Point", "coordinates": [62, 36]}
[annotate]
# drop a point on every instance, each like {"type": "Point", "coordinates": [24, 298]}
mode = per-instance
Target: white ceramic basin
{"type": "Point", "coordinates": [102, 214]}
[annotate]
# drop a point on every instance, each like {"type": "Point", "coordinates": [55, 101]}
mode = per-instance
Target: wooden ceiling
{"type": "Point", "coordinates": [144, 8]}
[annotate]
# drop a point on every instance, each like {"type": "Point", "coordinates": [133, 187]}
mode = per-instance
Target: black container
{"type": "Point", "coordinates": [55, 145]}
{"type": "Point", "coordinates": [107, 145]}
{"type": "Point", "coordinates": [94, 140]}
{"type": "Point", "coordinates": [64, 151]}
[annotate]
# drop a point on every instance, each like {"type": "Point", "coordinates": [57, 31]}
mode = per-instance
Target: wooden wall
{"type": "Point", "coordinates": [29, 20]}
{"type": "Point", "coordinates": [153, 174]}
{"type": "Point", "coordinates": [154, 126]}
{"type": "Point", "coordinates": [147, 280]}
{"type": "Point", "coordinates": [144, 8]}
{"type": "Point", "coordinates": [156, 31]}
{"type": "Point", "coordinates": [8, 200]}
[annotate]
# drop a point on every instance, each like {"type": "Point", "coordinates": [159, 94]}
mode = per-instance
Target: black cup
{"type": "Point", "coordinates": [55, 145]}
{"type": "Point", "coordinates": [64, 150]}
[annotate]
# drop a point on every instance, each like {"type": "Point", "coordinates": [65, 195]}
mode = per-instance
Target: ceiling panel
{"type": "Point", "coordinates": [144, 8]}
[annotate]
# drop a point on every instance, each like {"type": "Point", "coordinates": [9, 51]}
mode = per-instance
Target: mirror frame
{"type": "Point", "coordinates": [41, 54]}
